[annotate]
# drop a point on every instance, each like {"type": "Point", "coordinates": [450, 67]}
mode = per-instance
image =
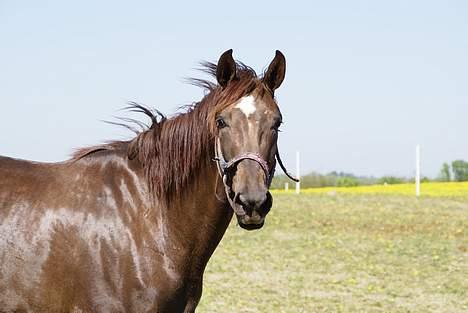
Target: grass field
{"type": "Point", "coordinates": [346, 252]}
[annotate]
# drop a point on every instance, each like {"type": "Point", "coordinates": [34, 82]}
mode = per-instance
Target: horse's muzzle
{"type": "Point", "coordinates": [252, 209]}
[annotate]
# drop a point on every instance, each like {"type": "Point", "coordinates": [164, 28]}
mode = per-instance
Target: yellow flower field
{"type": "Point", "coordinates": [448, 189]}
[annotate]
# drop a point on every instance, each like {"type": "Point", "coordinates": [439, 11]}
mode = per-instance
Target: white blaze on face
{"type": "Point", "coordinates": [247, 105]}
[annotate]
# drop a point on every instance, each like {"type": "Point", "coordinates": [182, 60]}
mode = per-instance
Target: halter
{"type": "Point", "coordinates": [225, 168]}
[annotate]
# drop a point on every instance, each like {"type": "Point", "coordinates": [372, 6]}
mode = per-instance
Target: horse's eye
{"type": "Point", "coordinates": [220, 123]}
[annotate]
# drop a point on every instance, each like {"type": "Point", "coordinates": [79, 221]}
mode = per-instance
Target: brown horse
{"type": "Point", "coordinates": [129, 226]}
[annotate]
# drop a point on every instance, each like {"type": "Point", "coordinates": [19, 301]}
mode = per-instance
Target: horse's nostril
{"type": "Point", "coordinates": [252, 201]}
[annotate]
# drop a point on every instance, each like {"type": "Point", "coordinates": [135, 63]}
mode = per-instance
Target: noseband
{"type": "Point", "coordinates": [227, 168]}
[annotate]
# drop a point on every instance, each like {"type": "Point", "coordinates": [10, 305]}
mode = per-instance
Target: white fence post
{"type": "Point", "coordinates": [418, 171]}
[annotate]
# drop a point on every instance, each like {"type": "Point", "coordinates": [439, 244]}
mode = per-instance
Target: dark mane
{"type": "Point", "coordinates": [173, 150]}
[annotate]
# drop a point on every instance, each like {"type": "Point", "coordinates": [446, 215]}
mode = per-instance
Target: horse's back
{"type": "Point", "coordinates": [22, 181]}
{"type": "Point", "coordinates": [63, 228]}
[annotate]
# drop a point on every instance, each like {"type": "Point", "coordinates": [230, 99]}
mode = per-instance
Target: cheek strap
{"type": "Point", "coordinates": [226, 169]}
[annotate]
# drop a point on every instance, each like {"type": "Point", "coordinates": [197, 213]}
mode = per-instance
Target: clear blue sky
{"type": "Point", "coordinates": [366, 80]}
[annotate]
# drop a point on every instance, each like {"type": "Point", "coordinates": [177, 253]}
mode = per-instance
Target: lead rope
{"type": "Point", "coordinates": [283, 168]}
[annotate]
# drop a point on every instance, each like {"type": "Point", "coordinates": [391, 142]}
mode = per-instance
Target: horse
{"type": "Point", "coordinates": [129, 226]}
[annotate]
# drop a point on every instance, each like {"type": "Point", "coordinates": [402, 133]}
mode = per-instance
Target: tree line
{"type": "Point", "coordinates": [455, 171]}
{"type": "Point", "coordinates": [336, 179]}
{"type": "Point", "coordinates": [458, 171]}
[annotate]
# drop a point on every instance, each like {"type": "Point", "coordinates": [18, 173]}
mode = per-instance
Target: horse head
{"type": "Point", "coordinates": [246, 138]}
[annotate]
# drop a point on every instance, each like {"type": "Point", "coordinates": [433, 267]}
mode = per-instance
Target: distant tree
{"type": "Point", "coordinates": [425, 179]}
{"type": "Point", "coordinates": [391, 180]}
{"type": "Point", "coordinates": [460, 170]}
{"type": "Point", "coordinates": [346, 181]}
{"type": "Point", "coordinates": [444, 174]}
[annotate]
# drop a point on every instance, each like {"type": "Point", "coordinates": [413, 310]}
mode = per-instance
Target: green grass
{"type": "Point", "coordinates": [345, 253]}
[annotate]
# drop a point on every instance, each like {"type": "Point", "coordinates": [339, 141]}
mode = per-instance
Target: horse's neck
{"type": "Point", "coordinates": [196, 224]}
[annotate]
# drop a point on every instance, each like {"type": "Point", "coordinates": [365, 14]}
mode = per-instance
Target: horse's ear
{"type": "Point", "coordinates": [226, 68]}
{"type": "Point", "coordinates": [274, 76]}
